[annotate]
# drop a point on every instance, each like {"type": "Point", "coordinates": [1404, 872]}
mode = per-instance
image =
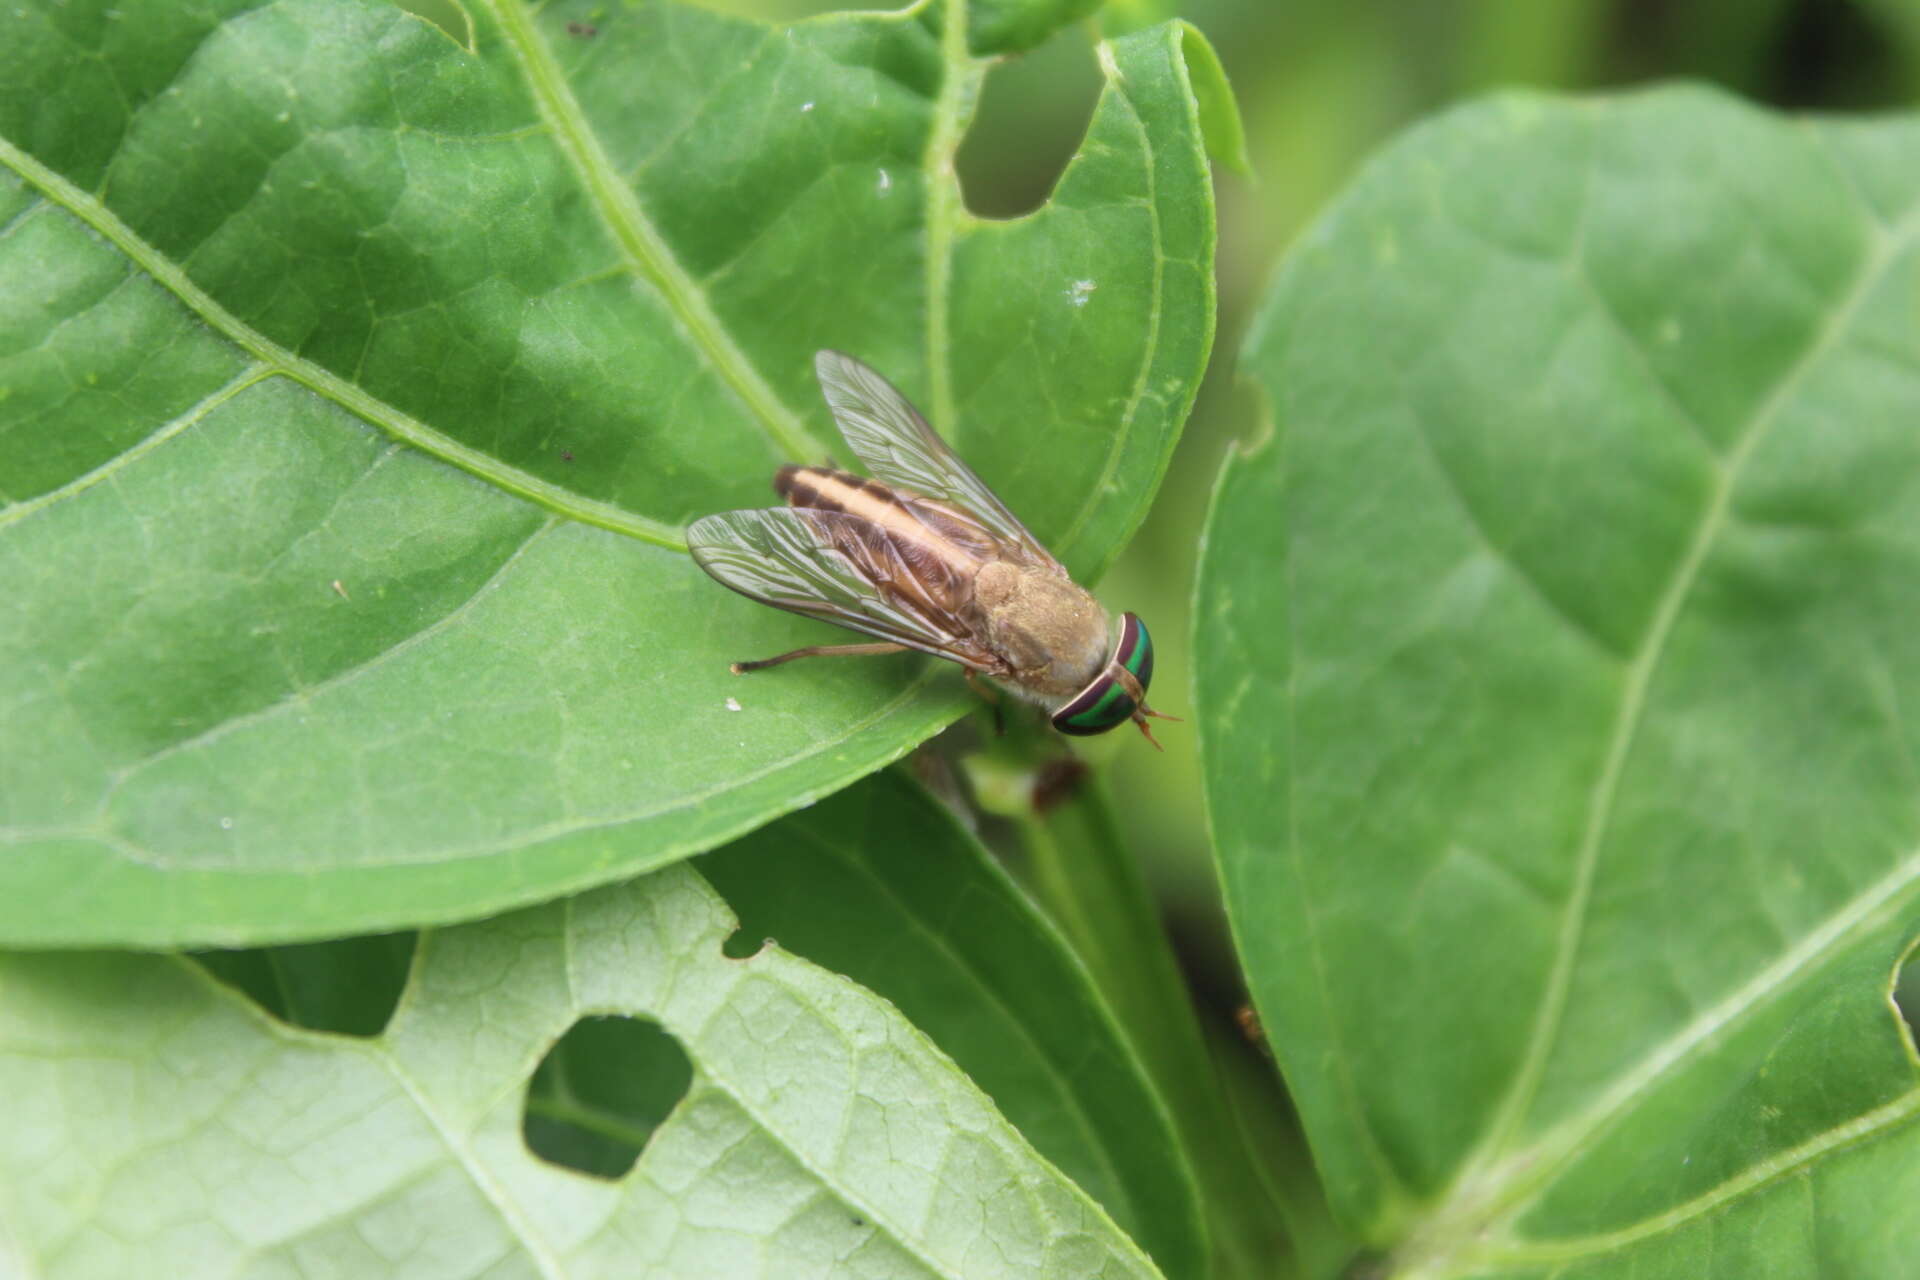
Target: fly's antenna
{"type": "Point", "coordinates": [1148, 733]}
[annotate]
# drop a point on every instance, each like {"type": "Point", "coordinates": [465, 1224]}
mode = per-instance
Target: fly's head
{"type": "Point", "coordinates": [1118, 692]}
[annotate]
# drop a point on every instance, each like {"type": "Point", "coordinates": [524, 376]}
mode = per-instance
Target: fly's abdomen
{"type": "Point", "coordinates": [824, 489]}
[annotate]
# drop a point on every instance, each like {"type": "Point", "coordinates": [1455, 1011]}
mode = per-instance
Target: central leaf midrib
{"type": "Point", "coordinates": [959, 89]}
{"type": "Point", "coordinates": [381, 1052]}
{"type": "Point", "coordinates": [646, 251]}
{"type": "Point", "coordinates": [740, 1096]}
{"type": "Point", "coordinates": [459, 1149]}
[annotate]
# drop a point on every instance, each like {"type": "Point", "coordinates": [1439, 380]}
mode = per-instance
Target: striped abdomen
{"type": "Point", "coordinates": [919, 554]}
{"type": "Point", "coordinates": [825, 489]}
{"type": "Point", "coordinates": [942, 530]}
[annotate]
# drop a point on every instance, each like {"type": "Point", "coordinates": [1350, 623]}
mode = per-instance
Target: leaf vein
{"type": "Point", "coordinates": [1081, 1120]}
{"type": "Point", "coordinates": [1639, 677]}
{"type": "Point", "coordinates": [538, 1251]}
{"type": "Point", "coordinates": [324, 382]}
{"type": "Point", "coordinates": [247, 377]}
{"type": "Point", "coordinates": [300, 697]}
{"type": "Point", "coordinates": [639, 241]}
{"type": "Point", "coordinates": [521, 841]}
{"type": "Point", "coordinates": [1881, 1122]}
{"type": "Point", "coordinates": [958, 84]}
{"type": "Point", "coordinates": [1499, 551]}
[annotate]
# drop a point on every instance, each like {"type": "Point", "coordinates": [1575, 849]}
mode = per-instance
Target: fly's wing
{"type": "Point", "coordinates": [844, 570]}
{"type": "Point", "coordinates": [894, 441]}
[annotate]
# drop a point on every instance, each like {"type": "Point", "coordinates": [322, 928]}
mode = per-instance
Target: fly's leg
{"type": "Point", "coordinates": [819, 651]}
{"type": "Point", "coordinates": [992, 698]}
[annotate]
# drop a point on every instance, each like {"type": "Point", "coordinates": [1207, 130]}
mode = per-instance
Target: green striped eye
{"type": "Point", "coordinates": [1105, 703]}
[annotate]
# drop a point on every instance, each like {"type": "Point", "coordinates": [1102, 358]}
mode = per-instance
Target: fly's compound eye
{"type": "Point", "coordinates": [1106, 703]}
{"type": "Point", "coordinates": [1095, 709]}
{"type": "Point", "coordinates": [1135, 650]}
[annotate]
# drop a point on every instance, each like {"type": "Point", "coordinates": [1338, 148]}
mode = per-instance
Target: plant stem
{"type": "Point", "coordinates": [1080, 870]}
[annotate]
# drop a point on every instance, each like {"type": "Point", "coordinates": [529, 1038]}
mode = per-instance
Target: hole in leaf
{"type": "Point", "coordinates": [743, 944]}
{"type": "Point", "coordinates": [448, 15]}
{"type": "Point", "coordinates": [1032, 117]}
{"type": "Point", "coordinates": [1906, 991]}
{"type": "Point", "coordinates": [601, 1091]}
{"type": "Point", "coordinates": [349, 986]}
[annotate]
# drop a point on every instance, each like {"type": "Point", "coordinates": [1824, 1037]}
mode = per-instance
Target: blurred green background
{"type": "Point", "coordinates": [1321, 84]}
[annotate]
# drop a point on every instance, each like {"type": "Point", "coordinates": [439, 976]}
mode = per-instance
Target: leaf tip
{"type": "Point", "coordinates": [1219, 114]}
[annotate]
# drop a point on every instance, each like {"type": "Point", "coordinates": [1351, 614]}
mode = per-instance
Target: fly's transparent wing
{"type": "Point", "coordinates": [841, 569]}
{"type": "Point", "coordinates": [896, 443]}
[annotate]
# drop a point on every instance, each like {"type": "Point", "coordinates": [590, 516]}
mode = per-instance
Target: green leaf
{"type": "Point", "coordinates": [1014, 26]}
{"type": "Point", "coordinates": [1214, 104]}
{"type": "Point", "coordinates": [271, 667]}
{"type": "Point", "coordinates": [161, 1125]}
{"type": "Point", "coordinates": [933, 924]}
{"type": "Point", "coordinates": [1560, 691]}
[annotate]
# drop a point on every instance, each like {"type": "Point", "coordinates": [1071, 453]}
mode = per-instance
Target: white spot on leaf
{"type": "Point", "coordinates": [1079, 291]}
{"type": "Point", "coordinates": [886, 182]}
{"type": "Point", "coordinates": [733, 704]}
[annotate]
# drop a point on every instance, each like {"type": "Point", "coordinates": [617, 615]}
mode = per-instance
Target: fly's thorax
{"type": "Point", "coordinates": [1052, 633]}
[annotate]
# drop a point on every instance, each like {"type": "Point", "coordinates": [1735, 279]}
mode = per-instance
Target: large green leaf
{"type": "Point", "coordinates": [879, 884]}
{"type": "Point", "coordinates": [159, 1124]}
{"type": "Point", "coordinates": [1560, 691]}
{"type": "Point", "coordinates": [270, 666]}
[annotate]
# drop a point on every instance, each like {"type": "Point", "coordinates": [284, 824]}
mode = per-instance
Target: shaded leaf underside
{"type": "Point", "coordinates": [820, 1135]}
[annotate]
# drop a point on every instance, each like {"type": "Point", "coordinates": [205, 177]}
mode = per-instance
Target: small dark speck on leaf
{"type": "Point", "coordinates": [1368, 1266]}
{"type": "Point", "coordinates": [566, 455]}
{"type": "Point", "coordinates": [1249, 1023]}
{"type": "Point", "coordinates": [739, 945]}
{"type": "Point", "coordinates": [585, 30]}
{"type": "Point", "coordinates": [859, 1222]}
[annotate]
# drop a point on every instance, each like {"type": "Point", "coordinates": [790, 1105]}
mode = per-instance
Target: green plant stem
{"type": "Point", "coordinates": [1086, 878]}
